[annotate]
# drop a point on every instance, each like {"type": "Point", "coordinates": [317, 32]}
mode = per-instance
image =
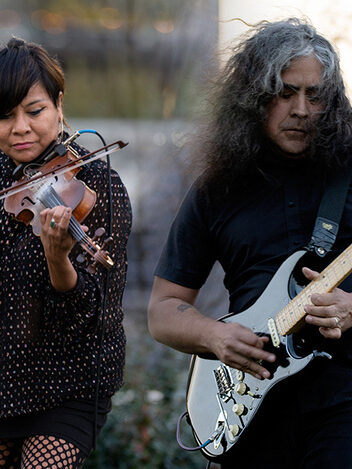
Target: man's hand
{"type": "Point", "coordinates": [331, 312]}
{"type": "Point", "coordinates": [239, 347]}
{"type": "Point", "coordinates": [175, 321]}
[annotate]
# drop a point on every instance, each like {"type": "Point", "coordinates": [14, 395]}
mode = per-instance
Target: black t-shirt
{"type": "Point", "coordinates": [251, 232]}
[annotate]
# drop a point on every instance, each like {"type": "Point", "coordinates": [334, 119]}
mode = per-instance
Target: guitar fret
{"type": "Point", "coordinates": [279, 322]}
{"type": "Point", "coordinates": [290, 320]}
{"type": "Point", "coordinates": [289, 317]}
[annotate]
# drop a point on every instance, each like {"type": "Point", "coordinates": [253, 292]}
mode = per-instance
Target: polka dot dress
{"type": "Point", "coordinates": [49, 339]}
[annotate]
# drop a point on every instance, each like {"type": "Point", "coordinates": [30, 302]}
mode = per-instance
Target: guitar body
{"type": "Point", "coordinates": [224, 399]}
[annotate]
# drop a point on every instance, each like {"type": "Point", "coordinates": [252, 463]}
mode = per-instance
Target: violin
{"type": "Point", "coordinates": [51, 182]}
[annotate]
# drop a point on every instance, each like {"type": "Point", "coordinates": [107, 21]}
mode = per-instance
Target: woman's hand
{"type": "Point", "coordinates": [54, 233]}
{"type": "Point", "coordinates": [331, 312]}
{"type": "Point", "coordinates": [58, 243]}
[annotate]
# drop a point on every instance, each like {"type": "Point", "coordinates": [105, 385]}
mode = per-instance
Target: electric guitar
{"type": "Point", "coordinates": [222, 401]}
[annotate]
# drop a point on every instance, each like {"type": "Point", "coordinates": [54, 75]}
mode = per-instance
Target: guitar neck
{"type": "Point", "coordinates": [291, 317]}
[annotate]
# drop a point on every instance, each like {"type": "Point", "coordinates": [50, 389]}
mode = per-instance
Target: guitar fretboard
{"type": "Point", "coordinates": [290, 318]}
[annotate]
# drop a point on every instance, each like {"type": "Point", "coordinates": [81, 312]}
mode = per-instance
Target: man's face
{"type": "Point", "coordinates": [291, 114]}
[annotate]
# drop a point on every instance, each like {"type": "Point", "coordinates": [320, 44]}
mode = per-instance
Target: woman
{"type": "Point", "coordinates": [57, 375]}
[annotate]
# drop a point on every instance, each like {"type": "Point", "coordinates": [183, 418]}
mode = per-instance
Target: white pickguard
{"type": "Point", "coordinates": [203, 402]}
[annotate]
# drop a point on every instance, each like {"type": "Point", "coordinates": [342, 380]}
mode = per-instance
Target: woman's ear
{"type": "Point", "coordinates": [59, 105]}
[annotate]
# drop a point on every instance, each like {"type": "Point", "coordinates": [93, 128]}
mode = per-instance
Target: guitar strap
{"type": "Point", "coordinates": [330, 212]}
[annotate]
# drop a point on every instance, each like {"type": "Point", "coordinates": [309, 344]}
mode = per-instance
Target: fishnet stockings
{"type": "Point", "coordinates": [10, 454]}
{"type": "Point", "coordinates": [40, 452]}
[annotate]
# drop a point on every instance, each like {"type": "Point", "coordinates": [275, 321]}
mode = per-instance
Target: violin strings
{"type": "Point", "coordinates": [53, 200]}
{"type": "Point", "coordinates": [50, 198]}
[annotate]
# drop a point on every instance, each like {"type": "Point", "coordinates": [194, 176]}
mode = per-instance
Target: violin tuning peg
{"type": "Point", "coordinates": [81, 258]}
{"type": "Point", "coordinates": [106, 242]}
{"type": "Point", "coordinates": [98, 233]}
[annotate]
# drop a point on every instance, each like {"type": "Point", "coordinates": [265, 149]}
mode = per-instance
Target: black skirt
{"type": "Point", "coordinates": [73, 421]}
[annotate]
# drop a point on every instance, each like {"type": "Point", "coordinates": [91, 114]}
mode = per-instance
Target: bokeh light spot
{"type": "Point", "coordinates": [164, 26]}
{"type": "Point", "coordinates": [110, 18]}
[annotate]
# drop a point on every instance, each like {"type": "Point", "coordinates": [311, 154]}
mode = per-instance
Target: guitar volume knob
{"type": "Point", "coordinates": [238, 409]}
{"type": "Point", "coordinates": [233, 431]}
{"type": "Point", "coordinates": [239, 375]}
{"type": "Point", "coordinates": [241, 388]}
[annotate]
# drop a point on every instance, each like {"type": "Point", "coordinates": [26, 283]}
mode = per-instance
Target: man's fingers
{"type": "Point", "coordinates": [249, 366]}
{"type": "Point", "coordinates": [252, 346]}
{"type": "Point", "coordinates": [259, 354]}
{"type": "Point", "coordinates": [329, 333]}
{"type": "Point", "coordinates": [320, 312]}
{"type": "Point", "coordinates": [309, 273]}
{"type": "Point", "coordinates": [262, 341]}
{"type": "Point", "coordinates": [323, 299]}
{"type": "Point", "coordinates": [327, 321]}
{"type": "Point", "coordinates": [241, 348]}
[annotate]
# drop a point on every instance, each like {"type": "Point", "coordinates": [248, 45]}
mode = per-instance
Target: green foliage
{"type": "Point", "coordinates": [122, 92]}
{"type": "Point", "coordinates": [124, 58]}
{"type": "Point", "coordinates": [140, 431]}
{"type": "Point", "coordinates": [116, 89]}
{"type": "Point", "coordinates": [140, 10]}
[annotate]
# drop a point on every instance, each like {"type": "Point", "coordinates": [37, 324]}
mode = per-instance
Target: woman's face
{"type": "Point", "coordinates": [28, 129]}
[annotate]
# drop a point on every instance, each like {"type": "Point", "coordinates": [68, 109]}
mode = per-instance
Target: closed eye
{"type": "Point", "coordinates": [287, 92]}
{"type": "Point", "coordinates": [314, 98]}
{"type": "Point", "coordinates": [37, 111]}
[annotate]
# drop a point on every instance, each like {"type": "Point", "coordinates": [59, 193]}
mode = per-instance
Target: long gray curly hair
{"type": "Point", "coordinates": [232, 142]}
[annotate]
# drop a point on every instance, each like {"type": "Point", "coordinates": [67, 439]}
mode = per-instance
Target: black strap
{"type": "Point", "coordinates": [330, 213]}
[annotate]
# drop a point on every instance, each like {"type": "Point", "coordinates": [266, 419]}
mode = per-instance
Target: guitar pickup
{"type": "Point", "coordinates": [275, 338]}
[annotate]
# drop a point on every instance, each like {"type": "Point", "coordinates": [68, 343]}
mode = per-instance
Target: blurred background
{"type": "Point", "coordinates": [139, 71]}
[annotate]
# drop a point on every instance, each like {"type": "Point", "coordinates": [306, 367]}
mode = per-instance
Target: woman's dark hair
{"type": "Point", "coordinates": [22, 65]}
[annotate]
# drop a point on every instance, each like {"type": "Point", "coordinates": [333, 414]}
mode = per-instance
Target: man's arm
{"type": "Point", "coordinates": [174, 321]}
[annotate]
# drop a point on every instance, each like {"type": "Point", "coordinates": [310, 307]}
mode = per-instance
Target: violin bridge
{"type": "Point", "coordinates": [275, 338]}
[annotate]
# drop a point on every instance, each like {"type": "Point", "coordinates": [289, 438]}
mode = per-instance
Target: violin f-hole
{"type": "Point", "coordinates": [28, 199]}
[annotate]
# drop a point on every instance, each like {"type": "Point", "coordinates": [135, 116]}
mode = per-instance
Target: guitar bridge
{"type": "Point", "coordinates": [224, 382]}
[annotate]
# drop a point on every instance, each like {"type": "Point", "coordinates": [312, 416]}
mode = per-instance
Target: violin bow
{"type": "Point", "coordinates": [79, 161]}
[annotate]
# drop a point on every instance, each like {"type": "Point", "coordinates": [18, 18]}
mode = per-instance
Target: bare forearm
{"type": "Point", "coordinates": [174, 321]}
{"type": "Point", "coordinates": [180, 325]}
{"type": "Point", "coordinates": [63, 276]}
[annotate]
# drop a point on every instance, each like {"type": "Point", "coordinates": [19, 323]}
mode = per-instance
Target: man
{"type": "Point", "coordinates": [280, 126]}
